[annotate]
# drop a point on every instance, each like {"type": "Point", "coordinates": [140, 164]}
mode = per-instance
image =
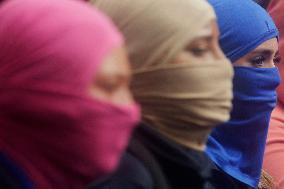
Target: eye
{"type": "Point", "coordinates": [277, 59]}
{"type": "Point", "coordinates": [258, 61]}
{"type": "Point", "coordinates": [110, 86]}
{"type": "Point", "coordinates": [200, 47]}
{"type": "Point", "coordinates": [199, 51]}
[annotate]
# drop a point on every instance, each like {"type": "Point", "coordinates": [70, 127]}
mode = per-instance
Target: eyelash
{"type": "Point", "coordinates": [108, 86]}
{"type": "Point", "coordinates": [258, 61]}
{"type": "Point", "coordinates": [277, 59]}
{"type": "Point", "coordinates": [199, 51]}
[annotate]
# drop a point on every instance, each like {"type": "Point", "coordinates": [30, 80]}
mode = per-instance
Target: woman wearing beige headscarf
{"type": "Point", "coordinates": [183, 83]}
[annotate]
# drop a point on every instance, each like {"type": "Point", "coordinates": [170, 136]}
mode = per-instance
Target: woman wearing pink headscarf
{"type": "Point", "coordinates": [66, 112]}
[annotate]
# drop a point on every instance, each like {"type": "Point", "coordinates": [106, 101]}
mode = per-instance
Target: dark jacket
{"type": "Point", "coordinates": [12, 176]}
{"type": "Point", "coordinates": [152, 161]}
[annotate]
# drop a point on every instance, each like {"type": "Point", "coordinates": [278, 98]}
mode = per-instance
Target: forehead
{"type": "Point", "coordinates": [206, 30]}
{"type": "Point", "coordinates": [115, 63]}
{"type": "Point", "coordinates": [271, 44]}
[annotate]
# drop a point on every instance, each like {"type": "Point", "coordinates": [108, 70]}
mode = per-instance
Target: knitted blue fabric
{"type": "Point", "coordinates": [243, 26]}
{"type": "Point", "coordinates": [237, 147]}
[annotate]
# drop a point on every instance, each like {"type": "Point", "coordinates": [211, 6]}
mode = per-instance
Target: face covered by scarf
{"type": "Point", "coordinates": [237, 146]}
{"type": "Point", "coordinates": [179, 100]}
{"type": "Point", "coordinates": [50, 125]}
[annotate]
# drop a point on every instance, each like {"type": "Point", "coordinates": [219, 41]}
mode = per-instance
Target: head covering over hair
{"type": "Point", "coordinates": [164, 27]}
{"type": "Point", "coordinates": [274, 151]}
{"type": "Point", "coordinates": [243, 26]}
{"type": "Point", "coordinates": [237, 146]}
{"type": "Point", "coordinates": [50, 125]}
{"type": "Point", "coordinates": [181, 100]}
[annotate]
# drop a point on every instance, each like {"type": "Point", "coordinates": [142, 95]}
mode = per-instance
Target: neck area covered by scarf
{"type": "Point", "coordinates": [177, 107]}
{"type": "Point", "coordinates": [242, 144]}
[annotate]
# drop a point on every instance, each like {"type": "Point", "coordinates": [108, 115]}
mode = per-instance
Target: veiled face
{"type": "Point", "coordinates": [112, 79]}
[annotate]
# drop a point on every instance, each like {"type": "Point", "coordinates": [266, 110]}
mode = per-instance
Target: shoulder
{"type": "Point", "coordinates": [131, 174]}
{"type": "Point", "coordinates": [220, 179]}
{"type": "Point", "coordinates": [132, 168]}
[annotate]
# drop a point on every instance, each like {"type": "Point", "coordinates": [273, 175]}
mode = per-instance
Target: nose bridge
{"type": "Point", "coordinates": [271, 64]}
{"type": "Point", "coordinates": [218, 53]}
{"type": "Point", "coordinates": [124, 97]}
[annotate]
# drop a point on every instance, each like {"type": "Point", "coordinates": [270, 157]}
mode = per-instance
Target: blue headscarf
{"type": "Point", "coordinates": [237, 146]}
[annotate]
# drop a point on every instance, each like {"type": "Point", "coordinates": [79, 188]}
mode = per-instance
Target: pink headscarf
{"type": "Point", "coordinates": [50, 127]}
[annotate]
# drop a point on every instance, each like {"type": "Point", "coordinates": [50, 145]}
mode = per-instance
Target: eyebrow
{"type": "Point", "coordinates": [204, 35]}
{"type": "Point", "coordinates": [122, 76]}
{"type": "Point", "coordinates": [203, 38]}
{"type": "Point", "coordinates": [264, 51]}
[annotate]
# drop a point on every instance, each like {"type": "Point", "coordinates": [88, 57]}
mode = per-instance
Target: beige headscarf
{"type": "Point", "coordinates": [180, 100]}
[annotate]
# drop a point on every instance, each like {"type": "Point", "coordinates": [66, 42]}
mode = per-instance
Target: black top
{"type": "Point", "coordinates": [11, 175]}
{"type": "Point", "coordinates": [152, 161]}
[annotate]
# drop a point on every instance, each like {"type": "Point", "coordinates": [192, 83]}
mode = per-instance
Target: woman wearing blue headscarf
{"type": "Point", "coordinates": [249, 39]}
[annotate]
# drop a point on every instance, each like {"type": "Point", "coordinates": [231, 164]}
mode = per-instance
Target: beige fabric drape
{"type": "Point", "coordinates": [181, 99]}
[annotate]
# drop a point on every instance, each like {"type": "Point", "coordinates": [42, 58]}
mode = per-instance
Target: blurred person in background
{"type": "Point", "coordinates": [66, 109]}
{"type": "Point", "coordinates": [263, 3]}
{"type": "Point", "coordinates": [274, 152]}
{"type": "Point", "coordinates": [248, 38]}
{"type": "Point", "coordinates": [184, 85]}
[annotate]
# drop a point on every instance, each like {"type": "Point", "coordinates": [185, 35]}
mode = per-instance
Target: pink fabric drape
{"type": "Point", "coordinates": [50, 51]}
